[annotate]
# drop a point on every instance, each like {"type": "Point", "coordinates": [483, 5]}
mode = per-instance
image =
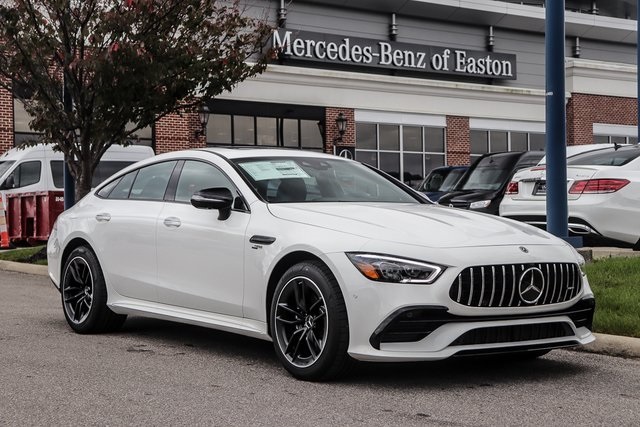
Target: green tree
{"type": "Point", "coordinates": [123, 62]}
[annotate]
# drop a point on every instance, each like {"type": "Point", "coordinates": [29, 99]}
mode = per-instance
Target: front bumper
{"type": "Point", "coordinates": [396, 322]}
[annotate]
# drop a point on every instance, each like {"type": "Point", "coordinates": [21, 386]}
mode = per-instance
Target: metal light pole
{"type": "Point", "coordinates": [69, 184]}
{"type": "Point", "coordinates": [67, 179]}
{"type": "Point", "coordinates": [557, 210]}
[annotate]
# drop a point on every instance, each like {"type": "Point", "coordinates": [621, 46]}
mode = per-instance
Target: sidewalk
{"type": "Point", "coordinates": [612, 345]}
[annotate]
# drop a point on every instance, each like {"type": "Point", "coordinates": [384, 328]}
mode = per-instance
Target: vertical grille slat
{"type": "Point", "coordinates": [479, 286]}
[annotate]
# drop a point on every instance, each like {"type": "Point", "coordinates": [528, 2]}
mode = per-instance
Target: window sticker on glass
{"type": "Point", "coordinates": [274, 169]}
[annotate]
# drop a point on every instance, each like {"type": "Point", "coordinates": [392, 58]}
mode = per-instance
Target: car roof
{"type": "Point", "coordinates": [243, 153]}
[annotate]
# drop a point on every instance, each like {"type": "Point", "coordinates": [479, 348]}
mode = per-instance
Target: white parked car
{"type": "Point", "coordinates": [328, 258]}
{"type": "Point", "coordinates": [603, 195]}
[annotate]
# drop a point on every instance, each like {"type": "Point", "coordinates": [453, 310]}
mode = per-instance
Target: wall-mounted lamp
{"type": "Point", "coordinates": [576, 48]}
{"type": "Point", "coordinates": [393, 28]}
{"type": "Point", "coordinates": [491, 39]}
{"type": "Point", "coordinates": [341, 124]}
{"type": "Point", "coordinates": [282, 15]}
{"type": "Point", "coordinates": [203, 117]}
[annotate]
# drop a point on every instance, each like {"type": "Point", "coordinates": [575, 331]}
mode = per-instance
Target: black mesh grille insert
{"type": "Point", "coordinates": [514, 333]}
{"type": "Point", "coordinates": [510, 285]}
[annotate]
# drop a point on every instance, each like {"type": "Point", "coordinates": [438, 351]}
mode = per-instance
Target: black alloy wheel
{"type": "Point", "coordinates": [84, 294]}
{"type": "Point", "coordinates": [309, 323]}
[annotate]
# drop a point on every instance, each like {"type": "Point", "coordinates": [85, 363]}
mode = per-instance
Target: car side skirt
{"type": "Point", "coordinates": [242, 326]}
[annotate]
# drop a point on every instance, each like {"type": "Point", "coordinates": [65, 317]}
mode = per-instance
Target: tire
{"type": "Point", "coordinates": [309, 324]}
{"type": "Point", "coordinates": [84, 294]}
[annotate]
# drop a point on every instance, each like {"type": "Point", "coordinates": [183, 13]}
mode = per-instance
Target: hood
{"type": "Point", "coordinates": [469, 195]}
{"type": "Point", "coordinates": [424, 225]}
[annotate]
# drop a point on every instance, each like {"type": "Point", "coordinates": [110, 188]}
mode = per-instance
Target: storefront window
{"type": "Point", "coordinates": [243, 130]}
{"type": "Point", "coordinates": [611, 139]}
{"type": "Point", "coordinates": [266, 131]}
{"type": "Point", "coordinates": [228, 129]}
{"type": "Point", "coordinates": [219, 129]}
{"type": "Point", "coordinates": [405, 152]}
{"type": "Point", "coordinates": [310, 137]}
{"type": "Point", "coordinates": [493, 141]}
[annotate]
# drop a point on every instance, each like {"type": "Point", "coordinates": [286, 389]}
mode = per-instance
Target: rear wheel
{"type": "Point", "coordinates": [309, 323]}
{"type": "Point", "coordinates": [84, 294]}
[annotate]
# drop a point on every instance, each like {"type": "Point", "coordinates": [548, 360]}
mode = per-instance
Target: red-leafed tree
{"type": "Point", "coordinates": [123, 62]}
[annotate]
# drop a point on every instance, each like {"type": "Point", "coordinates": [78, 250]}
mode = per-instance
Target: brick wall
{"type": "Point", "coordinates": [177, 132]}
{"type": "Point", "coordinates": [6, 120]}
{"type": "Point", "coordinates": [584, 110]}
{"type": "Point", "coordinates": [331, 129]}
{"type": "Point", "coordinates": [458, 140]}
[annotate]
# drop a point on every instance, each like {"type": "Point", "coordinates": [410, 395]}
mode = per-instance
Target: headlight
{"type": "Point", "coordinates": [479, 205]}
{"type": "Point", "coordinates": [383, 268]}
{"type": "Point", "coordinates": [579, 258]}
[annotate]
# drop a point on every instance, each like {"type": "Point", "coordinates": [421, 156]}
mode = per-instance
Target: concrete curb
{"type": "Point", "coordinates": [22, 267]}
{"type": "Point", "coordinates": [612, 345]}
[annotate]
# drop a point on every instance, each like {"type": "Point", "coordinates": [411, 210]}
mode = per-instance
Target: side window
{"type": "Point", "coordinates": [123, 187]}
{"type": "Point", "coordinates": [106, 190]}
{"type": "Point", "coordinates": [27, 173]}
{"type": "Point", "coordinates": [151, 182]}
{"type": "Point", "coordinates": [56, 173]}
{"type": "Point", "coordinates": [196, 176]}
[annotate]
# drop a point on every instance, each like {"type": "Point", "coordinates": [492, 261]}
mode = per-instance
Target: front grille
{"type": "Point", "coordinates": [514, 333]}
{"type": "Point", "coordinates": [504, 285]}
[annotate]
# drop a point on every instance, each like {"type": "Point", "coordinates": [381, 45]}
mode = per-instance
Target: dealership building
{"type": "Point", "coordinates": [410, 85]}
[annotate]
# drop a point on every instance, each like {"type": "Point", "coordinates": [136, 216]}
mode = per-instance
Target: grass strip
{"type": "Point", "coordinates": [34, 255]}
{"type": "Point", "coordinates": [616, 285]}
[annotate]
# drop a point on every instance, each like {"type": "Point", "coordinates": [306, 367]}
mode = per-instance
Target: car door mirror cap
{"type": "Point", "coordinates": [219, 198]}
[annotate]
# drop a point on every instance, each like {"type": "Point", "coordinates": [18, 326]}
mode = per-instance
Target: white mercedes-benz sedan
{"type": "Point", "coordinates": [328, 258]}
{"type": "Point", "coordinates": [603, 196]}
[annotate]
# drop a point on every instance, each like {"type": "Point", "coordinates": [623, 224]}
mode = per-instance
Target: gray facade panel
{"type": "Point", "coordinates": [528, 46]}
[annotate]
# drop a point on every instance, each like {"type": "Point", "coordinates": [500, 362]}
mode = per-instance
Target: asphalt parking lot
{"type": "Point", "coordinates": [156, 372]}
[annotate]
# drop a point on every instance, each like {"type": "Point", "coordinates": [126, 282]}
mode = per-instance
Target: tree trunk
{"type": "Point", "coordinates": [83, 182]}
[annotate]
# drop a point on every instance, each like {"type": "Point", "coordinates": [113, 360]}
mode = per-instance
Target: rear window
{"type": "Point", "coordinates": [490, 173]}
{"type": "Point", "coordinates": [607, 157]}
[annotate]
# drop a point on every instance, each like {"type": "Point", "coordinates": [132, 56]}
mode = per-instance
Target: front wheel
{"type": "Point", "coordinates": [309, 324]}
{"type": "Point", "coordinates": [84, 294]}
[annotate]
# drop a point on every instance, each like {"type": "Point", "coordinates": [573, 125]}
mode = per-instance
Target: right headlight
{"type": "Point", "coordinates": [386, 268]}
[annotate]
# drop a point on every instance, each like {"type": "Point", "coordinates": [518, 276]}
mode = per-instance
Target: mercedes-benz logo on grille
{"type": "Point", "coordinates": [531, 285]}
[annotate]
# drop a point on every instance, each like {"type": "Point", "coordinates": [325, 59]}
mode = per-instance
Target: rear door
{"type": "Point", "coordinates": [125, 229]}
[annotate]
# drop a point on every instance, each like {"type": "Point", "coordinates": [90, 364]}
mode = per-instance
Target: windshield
{"type": "Point", "coordinates": [490, 173]}
{"type": "Point", "coordinates": [305, 179]}
{"type": "Point", "coordinates": [5, 165]}
{"type": "Point", "coordinates": [608, 157]}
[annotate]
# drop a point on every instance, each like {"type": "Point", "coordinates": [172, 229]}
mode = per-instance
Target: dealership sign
{"type": "Point", "coordinates": [331, 49]}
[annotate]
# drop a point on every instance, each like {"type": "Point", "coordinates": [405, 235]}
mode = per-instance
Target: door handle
{"type": "Point", "coordinates": [103, 217]}
{"type": "Point", "coordinates": [172, 222]}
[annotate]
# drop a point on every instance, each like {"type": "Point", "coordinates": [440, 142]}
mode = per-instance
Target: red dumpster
{"type": "Point", "coordinates": [30, 216]}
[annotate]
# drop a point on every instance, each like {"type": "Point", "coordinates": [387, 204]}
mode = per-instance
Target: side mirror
{"type": "Point", "coordinates": [219, 198]}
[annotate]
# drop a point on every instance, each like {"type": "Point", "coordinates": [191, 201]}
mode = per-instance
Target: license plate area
{"type": "Point", "coordinates": [540, 188]}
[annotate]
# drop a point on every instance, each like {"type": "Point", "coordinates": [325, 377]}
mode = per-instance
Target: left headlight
{"type": "Point", "coordinates": [385, 268]}
{"type": "Point", "coordinates": [480, 204]}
